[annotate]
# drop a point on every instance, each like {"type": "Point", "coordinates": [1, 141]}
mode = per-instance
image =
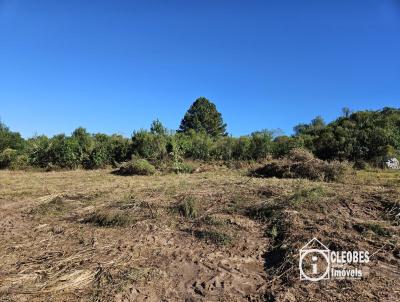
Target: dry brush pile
{"type": "Point", "coordinates": [302, 164]}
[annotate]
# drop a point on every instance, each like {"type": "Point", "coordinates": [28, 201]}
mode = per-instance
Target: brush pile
{"type": "Point", "coordinates": [302, 164]}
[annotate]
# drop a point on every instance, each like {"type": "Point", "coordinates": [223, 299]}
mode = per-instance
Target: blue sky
{"type": "Point", "coordinates": [114, 66]}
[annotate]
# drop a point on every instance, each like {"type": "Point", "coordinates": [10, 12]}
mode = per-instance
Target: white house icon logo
{"type": "Point", "coordinates": [314, 262]}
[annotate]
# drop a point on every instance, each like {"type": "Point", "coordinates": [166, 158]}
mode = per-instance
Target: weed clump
{"type": "Point", "coordinates": [214, 237]}
{"type": "Point", "coordinates": [302, 164]}
{"type": "Point", "coordinates": [137, 167]}
{"type": "Point", "coordinates": [375, 228]}
{"type": "Point", "coordinates": [188, 208]}
{"type": "Point", "coordinates": [302, 194]}
{"type": "Point", "coordinates": [109, 219]}
{"type": "Point", "coordinates": [182, 167]}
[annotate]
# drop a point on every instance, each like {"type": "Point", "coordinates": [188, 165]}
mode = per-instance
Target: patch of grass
{"type": "Point", "coordinates": [374, 227]}
{"type": "Point", "coordinates": [188, 208]}
{"type": "Point", "coordinates": [109, 219]}
{"type": "Point", "coordinates": [302, 194]}
{"type": "Point", "coordinates": [273, 232]}
{"type": "Point", "coordinates": [213, 221]}
{"type": "Point", "coordinates": [55, 206]}
{"type": "Point", "coordinates": [182, 167]}
{"type": "Point", "coordinates": [214, 237]}
{"type": "Point", "coordinates": [262, 211]}
{"type": "Point", "coordinates": [236, 204]}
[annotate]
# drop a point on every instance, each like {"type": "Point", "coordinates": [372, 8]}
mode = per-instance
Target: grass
{"type": "Point", "coordinates": [374, 227]}
{"type": "Point", "coordinates": [55, 206]}
{"type": "Point", "coordinates": [214, 237]}
{"type": "Point", "coordinates": [188, 208]}
{"type": "Point", "coordinates": [213, 221]}
{"type": "Point", "coordinates": [109, 219]}
{"type": "Point", "coordinates": [224, 210]}
{"type": "Point", "coordinates": [303, 194]}
{"type": "Point", "coordinates": [379, 177]}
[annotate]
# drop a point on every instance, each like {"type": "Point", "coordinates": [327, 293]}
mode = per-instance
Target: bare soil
{"type": "Point", "coordinates": [211, 236]}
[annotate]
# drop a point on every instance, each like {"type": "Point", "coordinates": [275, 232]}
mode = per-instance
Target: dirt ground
{"type": "Point", "coordinates": [212, 236]}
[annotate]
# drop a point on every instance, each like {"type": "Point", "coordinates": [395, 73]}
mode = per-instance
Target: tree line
{"type": "Point", "coordinates": [363, 136]}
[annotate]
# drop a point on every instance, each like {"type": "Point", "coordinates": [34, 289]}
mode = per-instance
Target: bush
{"type": "Point", "coordinates": [182, 167]}
{"type": "Point", "coordinates": [137, 167]}
{"type": "Point", "coordinates": [260, 144]}
{"type": "Point", "coordinates": [195, 145]}
{"type": "Point", "coordinates": [9, 139]}
{"type": "Point", "coordinates": [149, 145]}
{"type": "Point", "coordinates": [7, 157]}
{"type": "Point", "coordinates": [98, 157]}
{"type": "Point", "coordinates": [21, 162]}
{"type": "Point", "coordinates": [63, 152]}
{"type": "Point", "coordinates": [37, 151]}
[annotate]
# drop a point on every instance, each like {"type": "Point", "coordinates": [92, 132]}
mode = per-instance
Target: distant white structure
{"type": "Point", "coordinates": [392, 163]}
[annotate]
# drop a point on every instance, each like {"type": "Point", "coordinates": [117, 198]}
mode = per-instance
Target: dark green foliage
{"type": "Point", "coordinates": [260, 144]}
{"type": "Point", "coordinates": [37, 151]}
{"type": "Point", "coordinates": [64, 152]}
{"type": "Point", "coordinates": [9, 139]}
{"type": "Point", "coordinates": [284, 144]}
{"type": "Point", "coordinates": [362, 135]}
{"type": "Point", "coordinates": [203, 116]}
{"type": "Point", "coordinates": [195, 145]}
{"type": "Point", "coordinates": [150, 145]}
{"type": "Point", "coordinates": [158, 128]}
{"type": "Point", "coordinates": [7, 157]}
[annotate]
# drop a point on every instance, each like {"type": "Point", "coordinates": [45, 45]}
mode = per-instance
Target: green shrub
{"type": "Point", "coordinates": [37, 150]}
{"type": "Point", "coordinates": [7, 157]}
{"type": "Point", "coordinates": [222, 148]}
{"type": "Point", "coordinates": [240, 148]}
{"type": "Point", "coordinates": [137, 167]}
{"type": "Point", "coordinates": [152, 146]}
{"type": "Point", "coordinates": [9, 139]}
{"type": "Point", "coordinates": [260, 144]}
{"type": "Point", "coordinates": [120, 149]}
{"type": "Point", "coordinates": [98, 157]}
{"type": "Point", "coordinates": [63, 152]}
{"type": "Point", "coordinates": [21, 162]}
{"type": "Point", "coordinates": [188, 208]}
{"type": "Point", "coordinates": [195, 145]}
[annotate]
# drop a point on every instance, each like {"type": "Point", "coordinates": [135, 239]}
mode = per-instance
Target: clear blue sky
{"type": "Point", "coordinates": [114, 66]}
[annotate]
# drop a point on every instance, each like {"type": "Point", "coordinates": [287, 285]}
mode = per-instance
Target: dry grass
{"type": "Point", "coordinates": [217, 235]}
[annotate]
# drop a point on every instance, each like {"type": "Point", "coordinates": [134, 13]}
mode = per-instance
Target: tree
{"type": "Point", "coordinates": [203, 116]}
{"type": "Point", "coordinates": [158, 128]}
{"type": "Point", "coordinates": [9, 139]}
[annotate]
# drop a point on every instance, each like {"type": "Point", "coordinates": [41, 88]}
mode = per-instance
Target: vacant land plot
{"type": "Point", "coordinates": [213, 236]}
